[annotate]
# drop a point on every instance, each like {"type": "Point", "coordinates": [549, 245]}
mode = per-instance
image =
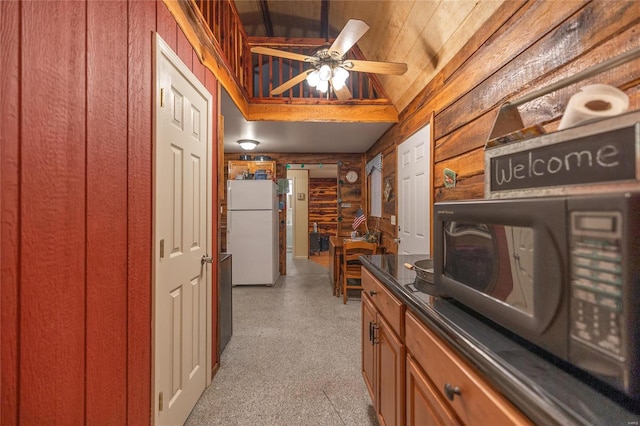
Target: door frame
{"type": "Point", "coordinates": [161, 47]}
{"type": "Point", "coordinates": [311, 168]}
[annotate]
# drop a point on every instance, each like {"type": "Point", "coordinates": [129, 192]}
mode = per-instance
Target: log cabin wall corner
{"type": "Point", "coordinates": [524, 46]}
{"type": "Point", "coordinates": [76, 208]}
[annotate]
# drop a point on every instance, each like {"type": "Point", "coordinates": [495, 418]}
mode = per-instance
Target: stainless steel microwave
{"type": "Point", "coordinates": [561, 272]}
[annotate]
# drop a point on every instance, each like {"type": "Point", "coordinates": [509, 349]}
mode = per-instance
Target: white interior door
{"type": "Point", "coordinates": [182, 235]}
{"type": "Point", "coordinates": [414, 183]}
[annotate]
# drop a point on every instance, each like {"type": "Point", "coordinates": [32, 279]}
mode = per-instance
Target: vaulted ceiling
{"type": "Point", "coordinates": [424, 34]}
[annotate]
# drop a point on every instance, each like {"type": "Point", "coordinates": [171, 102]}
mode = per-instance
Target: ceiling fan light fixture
{"type": "Point", "coordinates": [324, 72]}
{"type": "Point", "coordinates": [248, 144]}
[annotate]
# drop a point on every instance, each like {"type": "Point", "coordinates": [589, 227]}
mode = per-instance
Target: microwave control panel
{"type": "Point", "coordinates": [596, 312]}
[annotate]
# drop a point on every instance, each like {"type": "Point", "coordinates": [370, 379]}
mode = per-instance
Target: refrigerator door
{"type": "Point", "coordinates": [250, 239]}
{"type": "Point", "coordinates": [251, 194]}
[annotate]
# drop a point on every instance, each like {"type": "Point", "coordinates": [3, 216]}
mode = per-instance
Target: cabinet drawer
{"type": "Point", "coordinates": [368, 281]}
{"type": "Point", "coordinates": [478, 402]}
{"type": "Point", "coordinates": [391, 308]}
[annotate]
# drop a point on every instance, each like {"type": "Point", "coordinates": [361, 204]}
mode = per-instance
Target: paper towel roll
{"type": "Point", "coordinates": [593, 102]}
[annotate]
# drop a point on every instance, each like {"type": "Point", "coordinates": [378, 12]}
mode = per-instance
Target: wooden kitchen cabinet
{"type": "Point", "coordinates": [414, 377]}
{"type": "Point", "coordinates": [368, 348]}
{"type": "Point", "coordinates": [390, 366]}
{"type": "Point", "coordinates": [450, 386]}
{"type": "Point", "coordinates": [238, 167]}
{"type": "Point", "coordinates": [383, 351]}
{"type": "Point", "coordinates": [424, 406]}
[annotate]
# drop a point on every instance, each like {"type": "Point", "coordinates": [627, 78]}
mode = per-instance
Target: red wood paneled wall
{"type": "Point", "coordinates": [76, 208]}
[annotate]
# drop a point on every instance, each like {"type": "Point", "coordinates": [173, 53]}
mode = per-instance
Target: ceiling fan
{"type": "Point", "coordinates": [329, 66]}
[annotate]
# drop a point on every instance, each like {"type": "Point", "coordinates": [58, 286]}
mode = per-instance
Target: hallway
{"type": "Point", "coordinates": [294, 358]}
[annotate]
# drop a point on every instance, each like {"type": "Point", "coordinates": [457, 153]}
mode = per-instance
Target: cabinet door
{"type": "Point", "coordinates": [368, 321]}
{"type": "Point", "coordinates": [237, 167]}
{"type": "Point", "coordinates": [390, 363]}
{"type": "Point", "coordinates": [476, 401]}
{"type": "Point", "coordinates": [424, 406]}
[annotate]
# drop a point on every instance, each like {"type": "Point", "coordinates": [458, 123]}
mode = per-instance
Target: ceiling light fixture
{"type": "Point", "coordinates": [248, 144]}
{"type": "Point", "coordinates": [320, 77]}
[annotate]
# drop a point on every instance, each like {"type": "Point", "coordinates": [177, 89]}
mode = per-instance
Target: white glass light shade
{"type": "Point", "coordinates": [323, 86]}
{"type": "Point", "coordinates": [337, 83]}
{"type": "Point", "coordinates": [340, 75]}
{"type": "Point", "coordinates": [324, 73]}
{"type": "Point", "coordinates": [248, 144]}
{"type": "Point", "coordinates": [313, 78]}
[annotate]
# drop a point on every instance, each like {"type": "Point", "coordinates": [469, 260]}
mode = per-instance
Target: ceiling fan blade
{"type": "Point", "coordinates": [343, 94]}
{"type": "Point", "coordinates": [281, 53]}
{"type": "Point", "coordinates": [349, 36]}
{"type": "Point", "coordinates": [290, 83]}
{"type": "Point", "coordinates": [374, 67]}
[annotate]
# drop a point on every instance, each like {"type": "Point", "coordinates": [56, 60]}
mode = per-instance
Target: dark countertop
{"type": "Point", "coordinates": [542, 387]}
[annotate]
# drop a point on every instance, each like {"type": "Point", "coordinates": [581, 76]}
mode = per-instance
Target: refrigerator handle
{"type": "Point", "coordinates": [228, 193]}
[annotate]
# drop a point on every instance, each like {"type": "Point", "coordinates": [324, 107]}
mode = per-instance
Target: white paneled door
{"type": "Point", "coordinates": [182, 236]}
{"type": "Point", "coordinates": [414, 183]}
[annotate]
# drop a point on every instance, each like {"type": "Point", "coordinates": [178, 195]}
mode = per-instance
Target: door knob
{"type": "Point", "coordinates": [396, 240]}
{"type": "Point", "coordinates": [206, 259]}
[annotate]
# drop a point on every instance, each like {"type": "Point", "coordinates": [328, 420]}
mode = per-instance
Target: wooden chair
{"type": "Point", "coordinates": [350, 268]}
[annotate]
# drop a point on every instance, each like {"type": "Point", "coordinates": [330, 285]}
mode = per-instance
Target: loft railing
{"type": "Point", "coordinates": [258, 74]}
{"type": "Point", "coordinates": [228, 33]}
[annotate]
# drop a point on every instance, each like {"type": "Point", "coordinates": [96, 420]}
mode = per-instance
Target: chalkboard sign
{"type": "Point", "coordinates": [598, 158]}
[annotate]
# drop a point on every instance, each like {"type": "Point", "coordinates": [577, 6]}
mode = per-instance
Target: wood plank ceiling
{"type": "Point", "coordinates": [423, 34]}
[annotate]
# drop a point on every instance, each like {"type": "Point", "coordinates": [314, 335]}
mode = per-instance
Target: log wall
{"type": "Point", "coordinates": [323, 206]}
{"type": "Point", "coordinates": [523, 47]}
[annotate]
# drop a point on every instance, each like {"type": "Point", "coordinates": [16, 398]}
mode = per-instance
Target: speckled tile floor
{"type": "Point", "coordinates": [294, 358]}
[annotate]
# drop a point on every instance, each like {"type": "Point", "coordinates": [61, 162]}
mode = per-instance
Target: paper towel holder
{"type": "Point", "coordinates": [509, 120]}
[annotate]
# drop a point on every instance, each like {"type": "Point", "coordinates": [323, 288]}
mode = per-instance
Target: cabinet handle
{"type": "Point", "coordinates": [370, 331]}
{"type": "Point", "coordinates": [451, 392]}
{"type": "Point", "coordinates": [375, 338]}
{"type": "Point", "coordinates": [372, 293]}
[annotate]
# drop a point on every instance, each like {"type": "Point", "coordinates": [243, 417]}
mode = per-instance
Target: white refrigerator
{"type": "Point", "coordinates": [252, 231]}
